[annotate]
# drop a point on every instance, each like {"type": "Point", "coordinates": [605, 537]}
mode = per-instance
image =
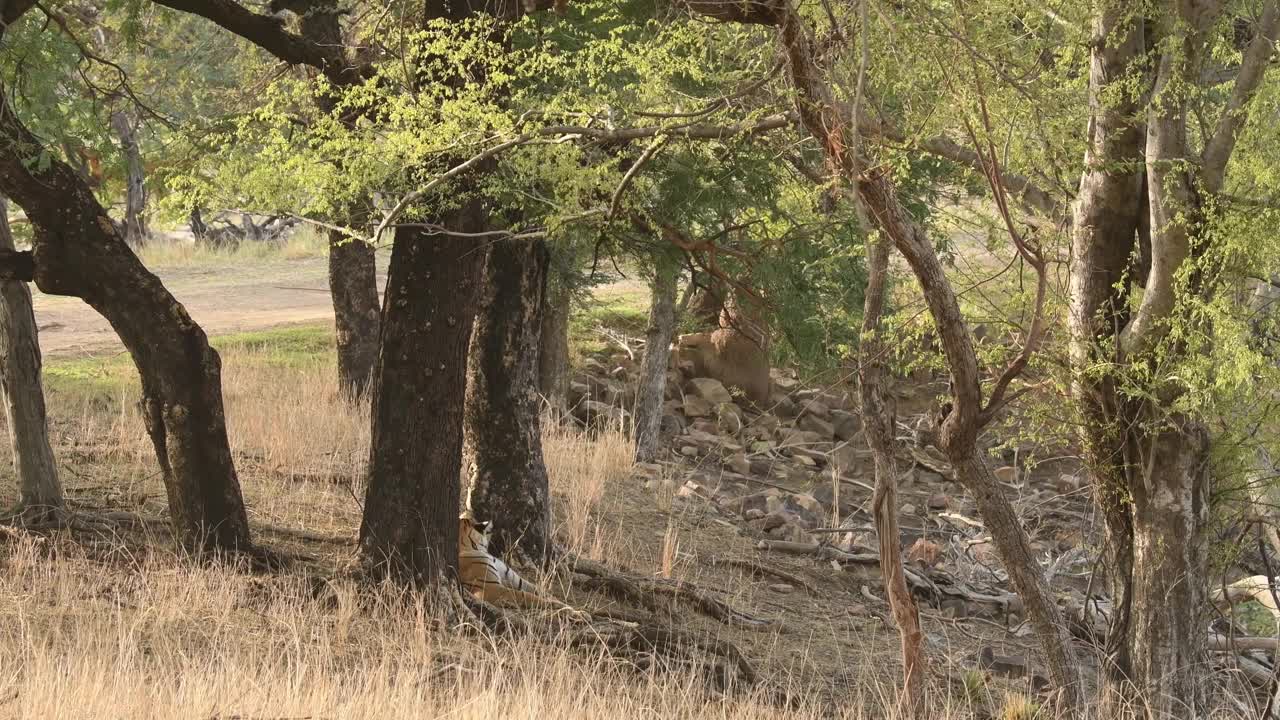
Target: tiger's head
{"type": "Point", "coordinates": [472, 532]}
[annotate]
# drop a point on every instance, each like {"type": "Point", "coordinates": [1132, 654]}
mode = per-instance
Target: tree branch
{"type": "Point", "coordinates": [1254, 65]}
{"type": "Point", "coordinates": [11, 10]}
{"type": "Point", "coordinates": [632, 171]}
{"type": "Point", "coordinates": [268, 33]}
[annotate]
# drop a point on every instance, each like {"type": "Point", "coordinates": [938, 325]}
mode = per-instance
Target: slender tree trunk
{"type": "Point", "coordinates": [77, 251]}
{"type": "Point", "coordinates": [553, 345]}
{"type": "Point", "coordinates": [878, 418]}
{"type": "Point", "coordinates": [199, 230]}
{"type": "Point", "coordinates": [657, 354]}
{"type": "Point", "coordinates": [38, 485]}
{"type": "Point", "coordinates": [353, 284]}
{"type": "Point", "coordinates": [410, 528]}
{"type": "Point", "coordinates": [353, 280]}
{"type": "Point", "coordinates": [507, 479]}
{"type": "Point", "coordinates": [135, 217]}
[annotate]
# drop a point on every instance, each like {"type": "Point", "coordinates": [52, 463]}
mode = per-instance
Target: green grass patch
{"type": "Point", "coordinates": [303, 242]}
{"type": "Point", "coordinates": [287, 347]}
{"type": "Point", "coordinates": [625, 313]}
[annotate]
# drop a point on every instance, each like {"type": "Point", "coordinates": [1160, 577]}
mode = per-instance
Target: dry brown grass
{"type": "Point", "coordinates": [162, 639]}
{"type": "Point", "coordinates": [120, 629]}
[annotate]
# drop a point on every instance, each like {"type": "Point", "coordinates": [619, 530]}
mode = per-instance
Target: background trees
{"type": "Point", "coordinates": [1111, 151]}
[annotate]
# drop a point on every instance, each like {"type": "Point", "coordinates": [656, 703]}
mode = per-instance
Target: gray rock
{"type": "Point", "coordinates": [816, 425]}
{"type": "Point", "coordinates": [845, 424]}
{"type": "Point", "coordinates": [783, 406]}
{"type": "Point", "coordinates": [696, 407]}
{"type": "Point", "coordinates": [711, 390]}
{"type": "Point", "coordinates": [738, 463]}
{"type": "Point", "coordinates": [730, 418]}
{"type": "Point", "coordinates": [671, 425]}
{"type": "Point", "coordinates": [815, 408]}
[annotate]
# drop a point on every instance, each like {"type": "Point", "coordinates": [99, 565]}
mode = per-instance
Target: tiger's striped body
{"type": "Point", "coordinates": [488, 578]}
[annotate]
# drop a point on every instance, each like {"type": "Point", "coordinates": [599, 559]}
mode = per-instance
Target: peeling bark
{"type": "Point", "coordinates": [39, 489]}
{"type": "Point", "coordinates": [507, 478]}
{"type": "Point", "coordinates": [657, 354]}
{"type": "Point", "coordinates": [1170, 571]}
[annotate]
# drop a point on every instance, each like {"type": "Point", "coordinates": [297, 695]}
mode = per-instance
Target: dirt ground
{"type": "Point", "coordinates": [223, 298]}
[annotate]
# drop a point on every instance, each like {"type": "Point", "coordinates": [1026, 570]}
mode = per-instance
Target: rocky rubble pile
{"type": "Point", "coordinates": [799, 468]}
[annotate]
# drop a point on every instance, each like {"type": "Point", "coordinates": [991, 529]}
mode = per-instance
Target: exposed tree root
{"type": "Point", "coordinates": [724, 663]}
{"type": "Point", "coordinates": [642, 591]}
{"type": "Point", "coordinates": [758, 569]}
{"type": "Point", "coordinates": [44, 518]}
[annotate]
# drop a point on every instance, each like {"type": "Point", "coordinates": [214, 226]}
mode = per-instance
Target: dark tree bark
{"type": "Point", "coordinates": [657, 354]}
{"type": "Point", "coordinates": [507, 479]}
{"type": "Point", "coordinates": [39, 489]}
{"type": "Point", "coordinates": [78, 252]}
{"type": "Point", "coordinates": [199, 230]}
{"type": "Point", "coordinates": [410, 527]}
{"type": "Point", "coordinates": [553, 345]}
{"type": "Point", "coordinates": [135, 211]}
{"type": "Point", "coordinates": [353, 283]}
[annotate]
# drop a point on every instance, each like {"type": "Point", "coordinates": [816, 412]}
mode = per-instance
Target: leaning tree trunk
{"type": "Point", "coordinates": [409, 532]}
{"type": "Point", "coordinates": [878, 419]}
{"type": "Point", "coordinates": [77, 251]}
{"type": "Point", "coordinates": [38, 486]}
{"type": "Point", "coordinates": [353, 283]}
{"type": "Point", "coordinates": [135, 217]}
{"type": "Point", "coordinates": [507, 479]}
{"type": "Point", "coordinates": [657, 355]}
{"type": "Point", "coordinates": [553, 345]}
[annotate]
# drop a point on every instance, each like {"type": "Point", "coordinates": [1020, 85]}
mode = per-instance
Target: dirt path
{"type": "Point", "coordinates": [223, 298]}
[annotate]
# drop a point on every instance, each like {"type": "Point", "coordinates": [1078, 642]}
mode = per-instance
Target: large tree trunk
{"type": "Point", "coordinates": [1167, 632]}
{"type": "Point", "coordinates": [657, 353]}
{"type": "Point", "coordinates": [878, 417]}
{"type": "Point", "coordinates": [1106, 221]}
{"type": "Point", "coordinates": [135, 213]}
{"type": "Point", "coordinates": [353, 283]}
{"type": "Point", "coordinates": [77, 251]}
{"type": "Point", "coordinates": [553, 345]}
{"type": "Point", "coordinates": [507, 477]}
{"type": "Point", "coordinates": [39, 489]}
{"type": "Point", "coordinates": [410, 528]}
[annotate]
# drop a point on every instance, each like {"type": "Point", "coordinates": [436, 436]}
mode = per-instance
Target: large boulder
{"type": "Point", "coordinates": [729, 356]}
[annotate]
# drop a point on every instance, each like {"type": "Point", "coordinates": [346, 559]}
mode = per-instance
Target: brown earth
{"type": "Point", "coordinates": [224, 297]}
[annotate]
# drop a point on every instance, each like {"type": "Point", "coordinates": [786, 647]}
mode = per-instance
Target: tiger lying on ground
{"type": "Point", "coordinates": [489, 579]}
